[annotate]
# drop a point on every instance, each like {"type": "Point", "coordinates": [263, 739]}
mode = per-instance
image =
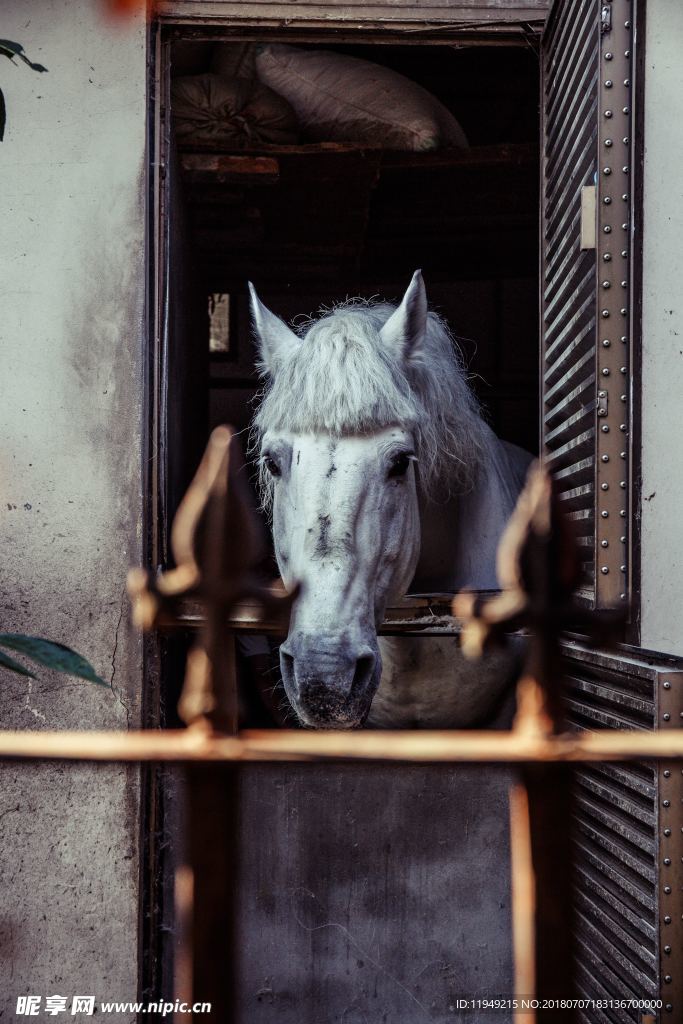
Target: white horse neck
{"type": "Point", "coordinates": [426, 682]}
{"type": "Point", "coordinates": [460, 537]}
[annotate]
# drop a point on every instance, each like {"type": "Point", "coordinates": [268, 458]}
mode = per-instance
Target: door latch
{"type": "Point", "coordinates": [605, 18]}
{"type": "Point", "coordinates": [588, 215]}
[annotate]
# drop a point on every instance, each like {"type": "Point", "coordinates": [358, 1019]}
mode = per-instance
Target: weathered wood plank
{"type": "Point", "coordinates": [424, 615]}
{"type": "Point", "coordinates": [472, 12]}
{"type": "Point", "coordinates": [230, 169]}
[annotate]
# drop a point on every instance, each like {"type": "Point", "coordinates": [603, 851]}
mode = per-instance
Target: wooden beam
{"type": "Point", "coordinates": [410, 15]}
{"type": "Point", "coordinates": [232, 169]}
{"type": "Point", "coordinates": [423, 616]}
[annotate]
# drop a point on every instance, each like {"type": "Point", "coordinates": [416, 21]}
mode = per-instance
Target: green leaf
{"type": "Point", "coordinates": [14, 666]}
{"type": "Point", "coordinates": [10, 49]}
{"type": "Point", "coordinates": [52, 655]}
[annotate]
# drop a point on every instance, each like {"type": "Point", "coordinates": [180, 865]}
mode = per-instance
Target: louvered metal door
{"type": "Point", "coordinates": [585, 290]}
{"type": "Point", "coordinates": [628, 838]}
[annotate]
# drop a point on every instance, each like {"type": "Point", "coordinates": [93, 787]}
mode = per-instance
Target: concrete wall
{"type": "Point", "coordinates": [662, 505]}
{"type": "Point", "coordinates": [72, 281]}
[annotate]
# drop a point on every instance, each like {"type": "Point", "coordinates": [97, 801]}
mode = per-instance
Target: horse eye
{"type": "Point", "coordinates": [400, 464]}
{"type": "Point", "coordinates": [271, 465]}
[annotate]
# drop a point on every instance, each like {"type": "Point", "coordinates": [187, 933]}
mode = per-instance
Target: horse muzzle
{"type": "Point", "coordinates": [329, 680]}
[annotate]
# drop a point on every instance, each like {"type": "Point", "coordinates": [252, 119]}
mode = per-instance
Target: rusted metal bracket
{"type": "Point", "coordinates": [216, 544]}
{"type": "Point", "coordinates": [539, 571]}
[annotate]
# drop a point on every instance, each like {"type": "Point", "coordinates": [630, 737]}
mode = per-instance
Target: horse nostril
{"type": "Point", "coordinates": [287, 668]}
{"type": "Point", "coordinates": [324, 680]}
{"type": "Point", "coordinates": [365, 666]}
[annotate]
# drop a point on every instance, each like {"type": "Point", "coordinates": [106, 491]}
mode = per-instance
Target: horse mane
{"type": "Point", "coordinates": [343, 380]}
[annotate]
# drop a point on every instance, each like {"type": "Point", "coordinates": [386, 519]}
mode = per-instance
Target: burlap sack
{"type": "Point", "coordinates": [344, 99]}
{"type": "Point", "coordinates": [213, 110]}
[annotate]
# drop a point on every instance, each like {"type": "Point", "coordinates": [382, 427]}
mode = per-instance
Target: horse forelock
{"type": "Point", "coordinates": [344, 381]}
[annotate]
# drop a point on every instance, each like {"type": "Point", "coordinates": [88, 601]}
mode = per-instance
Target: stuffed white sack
{"type": "Point", "coordinates": [344, 99]}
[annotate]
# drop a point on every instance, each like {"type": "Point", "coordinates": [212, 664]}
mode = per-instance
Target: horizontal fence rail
{"type": "Point", "coordinates": [185, 746]}
{"type": "Point", "coordinates": [539, 569]}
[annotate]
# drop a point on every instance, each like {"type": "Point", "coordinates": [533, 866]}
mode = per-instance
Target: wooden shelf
{"type": "Point", "coordinates": [505, 153]}
{"type": "Point", "coordinates": [419, 615]}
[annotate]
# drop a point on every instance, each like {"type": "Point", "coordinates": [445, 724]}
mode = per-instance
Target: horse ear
{"type": "Point", "coordinates": [275, 340]}
{"type": "Point", "coordinates": [405, 329]}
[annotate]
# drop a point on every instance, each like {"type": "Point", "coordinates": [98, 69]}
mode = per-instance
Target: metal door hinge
{"type": "Point", "coordinates": [605, 18]}
{"type": "Point", "coordinates": [602, 402]}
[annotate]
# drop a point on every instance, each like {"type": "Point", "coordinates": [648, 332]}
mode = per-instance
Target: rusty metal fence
{"type": "Point", "coordinates": [214, 544]}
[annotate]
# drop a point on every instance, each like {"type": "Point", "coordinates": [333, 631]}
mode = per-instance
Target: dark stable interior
{"type": "Point", "coordinates": [412, 860]}
{"type": "Point", "coordinates": [311, 225]}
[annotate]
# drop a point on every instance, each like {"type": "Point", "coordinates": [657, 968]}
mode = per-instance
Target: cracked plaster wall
{"type": "Point", "coordinates": [72, 280]}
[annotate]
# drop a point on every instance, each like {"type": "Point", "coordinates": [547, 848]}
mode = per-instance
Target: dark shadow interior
{"type": "Point", "coordinates": [342, 221]}
{"type": "Point", "coordinates": [361, 888]}
{"type": "Point", "coordinates": [310, 224]}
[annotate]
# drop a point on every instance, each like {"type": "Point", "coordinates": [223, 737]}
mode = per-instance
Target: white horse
{"type": "Point", "coordinates": [382, 476]}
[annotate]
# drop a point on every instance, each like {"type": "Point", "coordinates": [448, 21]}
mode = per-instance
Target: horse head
{"type": "Point", "coordinates": [342, 425]}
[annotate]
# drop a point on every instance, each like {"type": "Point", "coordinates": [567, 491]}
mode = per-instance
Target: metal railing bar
{"type": "Point", "coordinates": [188, 746]}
